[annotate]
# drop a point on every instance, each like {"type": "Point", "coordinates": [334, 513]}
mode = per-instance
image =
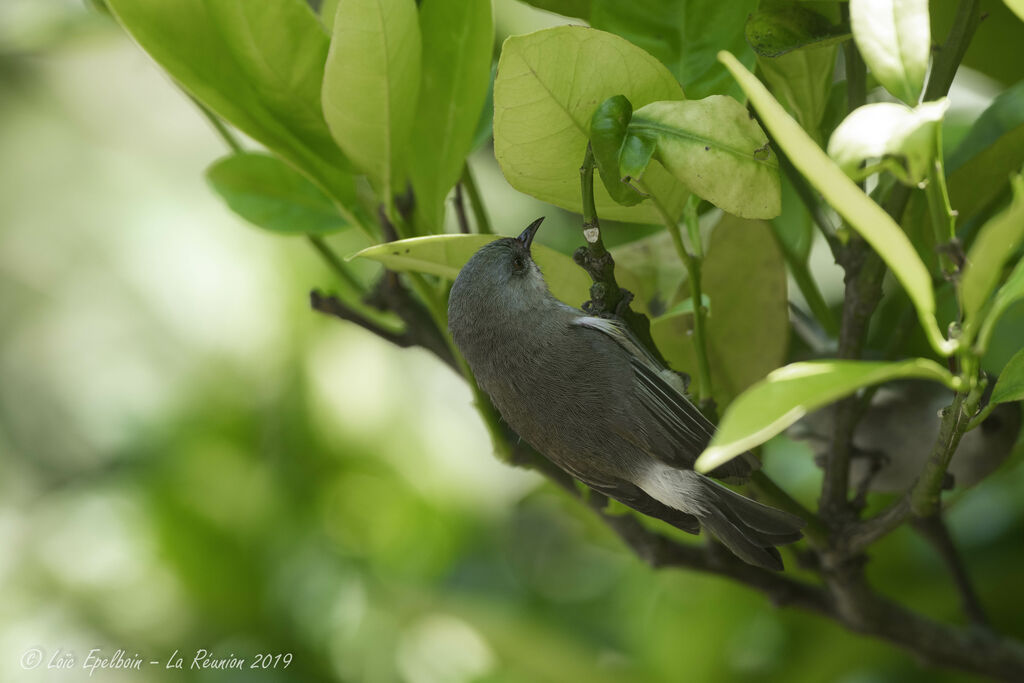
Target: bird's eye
{"type": "Point", "coordinates": [518, 263]}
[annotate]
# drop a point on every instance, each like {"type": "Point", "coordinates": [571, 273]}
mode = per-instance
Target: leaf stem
{"type": "Point", "coordinates": [692, 265]}
{"type": "Point", "coordinates": [942, 216]}
{"type": "Point", "coordinates": [483, 224]}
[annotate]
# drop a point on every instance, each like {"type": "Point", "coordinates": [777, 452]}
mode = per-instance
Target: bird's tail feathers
{"type": "Point", "coordinates": [751, 530]}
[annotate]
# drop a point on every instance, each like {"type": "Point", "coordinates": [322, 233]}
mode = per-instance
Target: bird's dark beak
{"type": "Point", "coordinates": [526, 238]}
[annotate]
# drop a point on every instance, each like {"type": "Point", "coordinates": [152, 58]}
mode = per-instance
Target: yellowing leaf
{"type": "Point", "coordinates": [548, 86]}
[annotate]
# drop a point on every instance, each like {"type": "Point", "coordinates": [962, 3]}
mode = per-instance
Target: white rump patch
{"type": "Point", "coordinates": [679, 489]}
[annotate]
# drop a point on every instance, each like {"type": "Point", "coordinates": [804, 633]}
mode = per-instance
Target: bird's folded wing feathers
{"type": "Point", "coordinates": [660, 391]}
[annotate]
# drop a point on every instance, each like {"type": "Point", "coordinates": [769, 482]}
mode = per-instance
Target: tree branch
{"type": "Point", "coordinates": [863, 290]}
{"type": "Point", "coordinates": [606, 296]}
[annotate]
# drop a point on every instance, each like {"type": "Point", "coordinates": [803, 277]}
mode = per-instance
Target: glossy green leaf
{"type": "Point", "coordinates": [801, 81]}
{"type": "Point", "coordinates": [997, 241]}
{"type": "Point", "coordinates": [744, 278]}
{"type": "Point", "coordinates": [457, 41]}
{"type": "Point", "coordinates": [790, 392]}
{"type": "Point", "coordinates": [894, 37]}
{"type": "Point", "coordinates": [607, 134]}
{"type": "Point", "coordinates": [885, 131]}
{"type": "Point", "coordinates": [444, 256]}
{"type": "Point", "coordinates": [1010, 386]}
{"type": "Point", "coordinates": [716, 151]}
{"type": "Point", "coordinates": [271, 195]}
{"type": "Point", "coordinates": [549, 83]}
{"type": "Point", "coordinates": [370, 86]}
{"type": "Point", "coordinates": [258, 65]}
{"type": "Point", "coordinates": [779, 29]}
{"type": "Point", "coordinates": [981, 164]}
{"type": "Point", "coordinates": [684, 35]}
{"type": "Point", "coordinates": [635, 156]}
{"type": "Point", "coordinates": [864, 215]}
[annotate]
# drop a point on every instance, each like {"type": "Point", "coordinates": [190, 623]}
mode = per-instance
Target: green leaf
{"type": "Point", "coordinates": [1010, 293]}
{"type": "Point", "coordinates": [371, 81]}
{"type": "Point", "coordinates": [993, 149]}
{"type": "Point", "coordinates": [997, 241]}
{"type": "Point", "coordinates": [272, 195]}
{"type": "Point", "coordinates": [1010, 386]}
{"type": "Point", "coordinates": [790, 392]}
{"type": "Point", "coordinates": [885, 130]}
{"type": "Point", "coordinates": [801, 80]}
{"type": "Point", "coordinates": [549, 83]}
{"type": "Point", "coordinates": [457, 41]}
{"type": "Point", "coordinates": [257, 65]}
{"type": "Point", "coordinates": [716, 151]}
{"type": "Point", "coordinates": [894, 37]}
{"type": "Point", "coordinates": [744, 278]}
{"type": "Point", "coordinates": [866, 217]}
{"type": "Point", "coordinates": [684, 35]}
{"type": "Point", "coordinates": [607, 134]}
{"type": "Point", "coordinates": [635, 157]}
{"type": "Point", "coordinates": [780, 29]}
{"type": "Point", "coordinates": [444, 256]}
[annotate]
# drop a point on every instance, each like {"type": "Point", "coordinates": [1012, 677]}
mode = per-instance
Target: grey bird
{"type": "Point", "coordinates": [586, 394]}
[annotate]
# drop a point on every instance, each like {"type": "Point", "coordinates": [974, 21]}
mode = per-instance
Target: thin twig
{"type": "Point", "coordinates": [693, 263]}
{"type": "Point", "coordinates": [336, 264]}
{"type": "Point", "coordinates": [332, 305]}
{"type": "Point", "coordinates": [924, 497]}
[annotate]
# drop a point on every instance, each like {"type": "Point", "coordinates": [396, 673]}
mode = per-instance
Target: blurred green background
{"type": "Point", "coordinates": [190, 458]}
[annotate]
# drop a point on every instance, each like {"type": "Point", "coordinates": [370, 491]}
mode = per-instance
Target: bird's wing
{"type": "Point", "coordinates": [659, 390]}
